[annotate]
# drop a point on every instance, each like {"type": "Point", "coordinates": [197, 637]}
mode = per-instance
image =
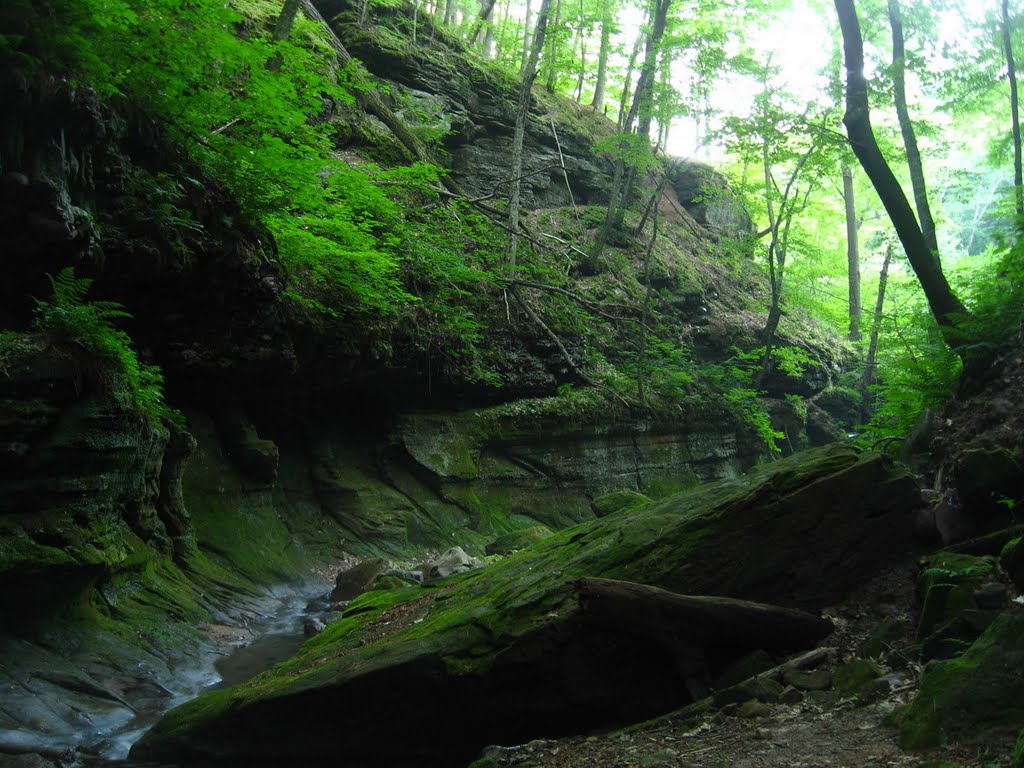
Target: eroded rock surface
{"type": "Point", "coordinates": [508, 647]}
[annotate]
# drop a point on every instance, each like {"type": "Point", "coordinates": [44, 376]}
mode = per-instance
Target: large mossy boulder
{"type": "Point", "coordinates": [516, 650]}
{"type": "Point", "coordinates": [951, 615]}
{"type": "Point", "coordinates": [966, 697]}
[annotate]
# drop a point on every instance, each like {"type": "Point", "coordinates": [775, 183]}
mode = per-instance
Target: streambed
{"type": "Point", "coordinates": [100, 701]}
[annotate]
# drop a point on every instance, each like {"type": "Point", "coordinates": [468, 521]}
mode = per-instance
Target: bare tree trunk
{"type": "Point", "coordinates": [526, 38]}
{"type": "Point", "coordinates": [899, 66]}
{"type": "Point", "coordinates": [1011, 72]}
{"type": "Point", "coordinates": [642, 113]}
{"type": "Point", "coordinates": [602, 57]}
{"type": "Point", "coordinates": [944, 304]}
{"type": "Point", "coordinates": [287, 19]}
{"type": "Point", "coordinates": [551, 59]}
{"type": "Point", "coordinates": [519, 135]}
{"type": "Point", "coordinates": [449, 13]}
{"type": "Point", "coordinates": [583, 58]}
{"type": "Point", "coordinates": [486, 9]}
{"type": "Point", "coordinates": [852, 255]}
{"type": "Point", "coordinates": [628, 78]}
{"type": "Point", "coordinates": [876, 324]}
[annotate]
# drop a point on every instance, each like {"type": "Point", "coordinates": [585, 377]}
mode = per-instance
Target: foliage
{"type": "Point", "coordinates": [917, 370]}
{"type": "Point", "coordinates": [90, 326]}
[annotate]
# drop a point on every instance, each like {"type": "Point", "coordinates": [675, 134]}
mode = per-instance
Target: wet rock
{"type": "Point", "coordinates": [312, 626]}
{"type": "Point", "coordinates": [991, 596]}
{"type": "Point", "coordinates": [455, 560]}
{"type": "Point", "coordinates": [358, 579]}
{"type": "Point", "coordinates": [986, 476]}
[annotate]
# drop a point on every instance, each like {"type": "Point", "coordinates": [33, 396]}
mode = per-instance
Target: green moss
{"type": "Point", "coordinates": [856, 678]}
{"type": "Point", "coordinates": [947, 587]}
{"type": "Point", "coordinates": [967, 696]}
{"type": "Point", "coordinates": [616, 501]}
{"type": "Point", "coordinates": [1018, 752]}
{"type": "Point", "coordinates": [518, 539]}
{"type": "Point", "coordinates": [1012, 559]}
{"type": "Point", "coordinates": [469, 620]}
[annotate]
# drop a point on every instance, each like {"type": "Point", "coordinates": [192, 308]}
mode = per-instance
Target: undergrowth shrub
{"type": "Point", "coordinates": [67, 316]}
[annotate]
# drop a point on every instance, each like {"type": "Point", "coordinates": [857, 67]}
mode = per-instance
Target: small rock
{"type": "Point", "coordinates": [816, 680]}
{"type": "Point", "coordinates": [753, 708]}
{"type": "Point", "coordinates": [791, 695]}
{"type": "Point", "coordinates": [760, 688]}
{"type": "Point", "coordinates": [312, 626]}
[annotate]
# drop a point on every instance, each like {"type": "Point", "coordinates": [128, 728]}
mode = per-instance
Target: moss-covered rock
{"type": "Point", "coordinates": [857, 679]}
{"type": "Point", "coordinates": [986, 476]}
{"type": "Point", "coordinates": [506, 645]}
{"type": "Point", "coordinates": [886, 636]}
{"type": "Point", "coordinates": [949, 619]}
{"type": "Point", "coordinates": [1012, 558]}
{"type": "Point", "coordinates": [977, 692]}
{"type": "Point", "coordinates": [519, 539]}
{"type": "Point", "coordinates": [615, 501]}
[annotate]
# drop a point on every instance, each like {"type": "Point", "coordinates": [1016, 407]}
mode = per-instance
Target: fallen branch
{"type": "Point", "coordinates": [554, 338]}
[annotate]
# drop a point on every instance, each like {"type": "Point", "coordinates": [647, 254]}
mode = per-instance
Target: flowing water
{"type": "Point", "coordinates": [276, 633]}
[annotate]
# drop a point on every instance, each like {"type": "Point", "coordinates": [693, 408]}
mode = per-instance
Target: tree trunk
{"type": "Point", "coordinates": [642, 113]}
{"type": "Point", "coordinates": [852, 255]}
{"type": "Point", "coordinates": [602, 58]}
{"type": "Point", "coordinates": [287, 19]}
{"type": "Point", "coordinates": [944, 304]}
{"type": "Point", "coordinates": [551, 59]}
{"type": "Point", "coordinates": [486, 9]}
{"type": "Point", "coordinates": [876, 323]}
{"type": "Point", "coordinates": [627, 79]}
{"type": "Point", "coordinates": [526, 39]}
{"type": "Point", "coordinates": [899, 67]}
{"type": "Point", "coordinates": [370, 100]}
{"type": "Point", "coordinates": [449, 13]}
{"type": "Point", "coordinates": [519, 135]}
{"type": "Point", "coordinates": [1011, 73]}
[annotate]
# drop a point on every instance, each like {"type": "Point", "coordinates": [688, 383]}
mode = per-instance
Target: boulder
{"type": "Point", "coordinates": [1012, 558]}
{"type": "Point", "coordinates": [707, 196]}
{"type": "Point", "coordinates": [531, 645]}
{"type": "Point", "coordinates": [949, 620]}
{"type": "Point", "coordinates": [989, 480]}
{"type": "Point", "coordinates": [980, 691]}
{"type": "Point", "coordinates": [358, 579]}
{"type": "Point", "coordinates": [453, 561]}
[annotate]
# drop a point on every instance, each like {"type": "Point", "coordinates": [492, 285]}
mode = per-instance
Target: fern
{"type": "Point", "coordinates": [89, 325]}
